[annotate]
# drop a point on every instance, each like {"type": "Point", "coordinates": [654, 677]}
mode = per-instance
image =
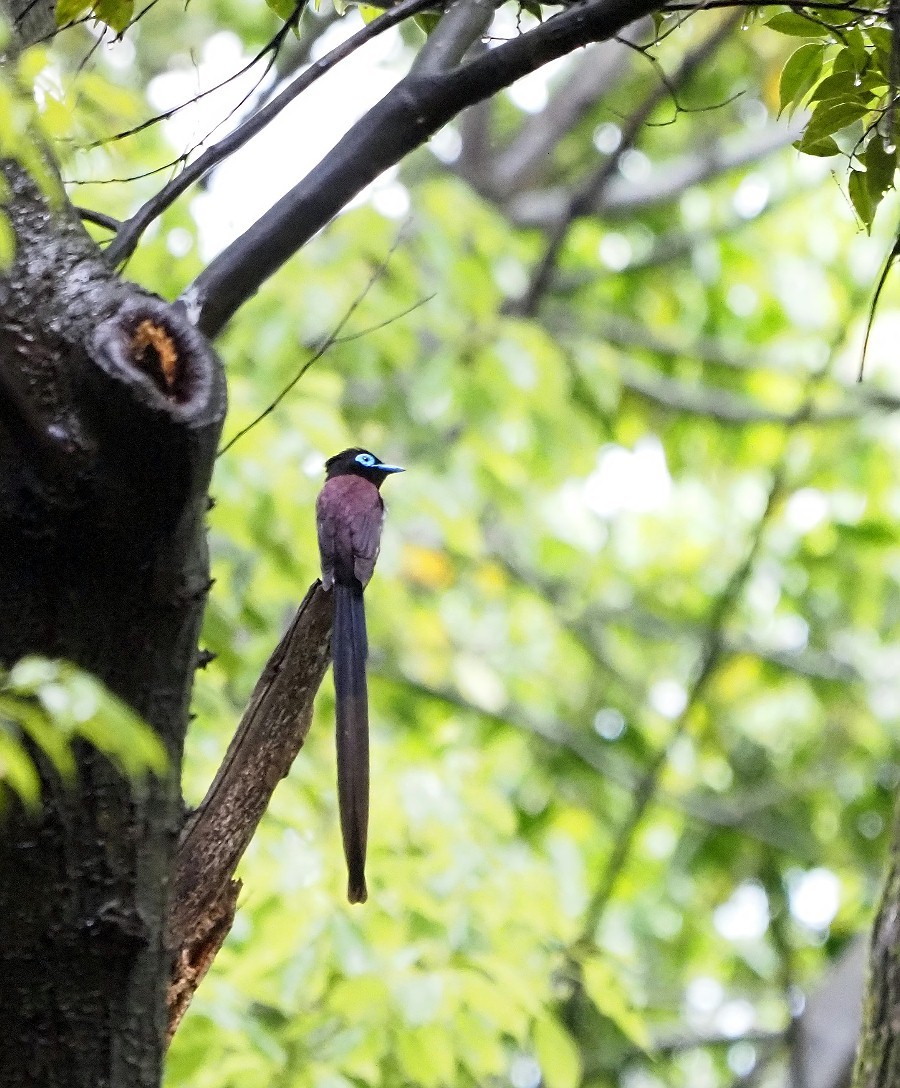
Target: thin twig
{"type": "Point", "coordinates": [271, 47]}
{"type": "Point", "coordinates": [128, 237]}
{"type": "Point", "coordinates": [101, 219]}
{"type": "Point", "coordinates": [333, 338]}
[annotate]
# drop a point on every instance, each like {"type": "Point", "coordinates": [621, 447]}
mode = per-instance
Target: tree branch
{"type": "Point", "coordinates": [403, 120]}
{"type": "Point", "coordinates": [129, 234]}
{"type": "Point", "coordinates": [736, 409]}
{"type": "Point", "coordinates": [463, 24]}
{"type": "Point", "coordinates": [271, 733]}
{"type": "Point", "coordinates": [592, 190]}
{"type": "Point", "coordinates": [601, 68]}
{"type": "Point", "coordinates": [710, 655]}
{"type": "Point", "coordinates": [546, 208]}
{"type": "Point", "coordinates": [744, 811]}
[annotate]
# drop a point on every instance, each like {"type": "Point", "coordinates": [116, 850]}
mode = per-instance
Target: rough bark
{"type": "Point", "coordinates": [878, 1061]}
{"type": "Point", "coordinates": [110, 410]}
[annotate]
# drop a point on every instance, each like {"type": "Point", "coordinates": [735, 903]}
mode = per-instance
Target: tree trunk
{"type": "Point", "coordinates": [110, 410]}
{"type": "Point", "coordinates": [878, 1060]}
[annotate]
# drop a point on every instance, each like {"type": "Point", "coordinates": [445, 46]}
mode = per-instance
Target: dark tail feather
{"type": "Point", "coordinates": [349, 648]}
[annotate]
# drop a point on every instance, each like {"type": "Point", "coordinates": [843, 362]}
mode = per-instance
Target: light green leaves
{"type": "Point", "coordinates": [795, 25]}
{"type": "Point", "coordinates": [115, 13]}
{"type": "Point", "coordinates": [843, 78]}
{"type": "Point", "coordinates": [802, 71]}
{"type": "Point", "coordinates": [559, 1058]}
{"type": "Point", "coordinates": [51, 703]}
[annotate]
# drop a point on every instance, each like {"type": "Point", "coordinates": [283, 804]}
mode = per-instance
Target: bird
{"type": "Point", "coordinates": [349, 516]}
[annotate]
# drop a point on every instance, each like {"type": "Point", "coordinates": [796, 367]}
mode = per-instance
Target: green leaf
{"type": "Point", "coordinates": [856, 44]}
{"type": "Point", "coordinates": [801, 71]}
{"type": "Point", "coordinates": [115, 13]}
{"type": "Point", "coordinates": [605, 989]}
{"type": "Point", "coordinates": [284, 9]}
{"type": "Point", "coordinates": [829, 118]}
{"type": "Point", "coordinates": [7, 242]}
{"type": "Point", "coordinates": [557, 1054]}
{"type": "Point", "coordinates": [860, 197]}
{"type": "Point", "coordinates": [369, 14]}
{"type": "Point", "coordinates": [789, 22]}
{"type": "Point", "coordinates": [882, 39]}
{"type": "Point", "coordinates": [17, 771]}
{"type": "Point", "coordinates": [54, 701]}
{"type": "Point", "coordinates": [427, 21]}
{"type": "Point", "coordinates": [880, 168]}
{"type": "Point", "coordinates": [823, 149]}
{"type": "Point", "coordinates": [837, 85]}
{"type": "Point", "coordinates": [69, 10]}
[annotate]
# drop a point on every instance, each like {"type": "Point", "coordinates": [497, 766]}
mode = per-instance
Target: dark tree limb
{"type": "Point", "coordinates": [463, 24]}
{"type": "Point", "coordinates": [403, 120]}
{"type": "Point", "coordinates": [270, 735]}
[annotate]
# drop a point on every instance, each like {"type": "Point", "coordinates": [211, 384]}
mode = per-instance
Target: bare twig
{"type": "Point", "coordinates": [91, 215]}
{"type": "Point", "coordinates": [271, 47]}
{"type": "Point", "coordinates": [333, 338]}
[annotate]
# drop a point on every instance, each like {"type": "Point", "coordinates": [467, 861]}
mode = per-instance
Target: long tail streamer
{"type": "Point", "coordinates": [349, 647]}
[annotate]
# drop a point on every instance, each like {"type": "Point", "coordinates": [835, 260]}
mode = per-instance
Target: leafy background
{"type": "Point", "coordinates": [633, 679]}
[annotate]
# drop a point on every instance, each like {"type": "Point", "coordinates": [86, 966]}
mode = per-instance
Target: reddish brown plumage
{"type": "Point", "coordinates": [349, 516]}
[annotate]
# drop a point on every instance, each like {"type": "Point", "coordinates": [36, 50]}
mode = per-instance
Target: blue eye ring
{"type": "Point", "coordinates": [365, 459]}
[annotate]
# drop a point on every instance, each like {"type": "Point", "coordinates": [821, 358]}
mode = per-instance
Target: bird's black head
{"type": "Point", "coordinates": [359, 462]}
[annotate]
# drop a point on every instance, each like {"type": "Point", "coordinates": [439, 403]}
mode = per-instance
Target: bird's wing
{"type": "Point", "coordinates": [326, 525]}
{"type": "Point", "coordinates": [365, 529]}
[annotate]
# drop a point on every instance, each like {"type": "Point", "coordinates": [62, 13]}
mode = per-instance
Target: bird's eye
{"type": "Point", "coordinates": [365, 459]}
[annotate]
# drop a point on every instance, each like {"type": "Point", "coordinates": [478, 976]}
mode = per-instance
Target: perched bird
{"type": "Point", "coordinates": [349, 516]}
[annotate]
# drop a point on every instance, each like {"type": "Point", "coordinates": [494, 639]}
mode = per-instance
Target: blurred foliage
{"type": "Point", "coordinates": [634, 627]}
{"type": "Point", "coordinates": [49, 706]}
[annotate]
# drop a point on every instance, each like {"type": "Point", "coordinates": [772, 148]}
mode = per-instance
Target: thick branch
{"type": "Point", "coordinates": [270, 735]}
{"type": "Point", "coordinates": [464, 23]}
{"type": "Point", "coordinates": [112, 407]}
{"type": "Point", "coordinates": [878, 1063]}
{"type": "Point", "coordinates": [403, 120]}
